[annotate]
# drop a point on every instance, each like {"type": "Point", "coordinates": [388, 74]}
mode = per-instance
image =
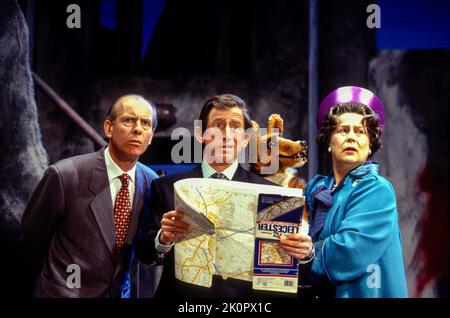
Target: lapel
{"type": "Point", "coordinates": [240, 174]}
{"type": "Point", "coordinates": [138, 201]}
{"type": "Point", "coordinates": [127, 255]}
{"type": "Point", "coordinates": [194, 173]}
{"type": "Point", "coordinates": [101, 206]}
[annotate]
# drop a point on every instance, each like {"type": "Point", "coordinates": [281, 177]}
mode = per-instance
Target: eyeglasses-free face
{"type": "Point", "coordinates": [349, 144]}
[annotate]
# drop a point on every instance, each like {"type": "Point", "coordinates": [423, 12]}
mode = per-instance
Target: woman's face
{"type": "Point", "coordinates": [350, 143]}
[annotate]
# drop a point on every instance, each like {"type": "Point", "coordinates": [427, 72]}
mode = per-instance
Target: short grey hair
{"type": "Point", "coordinates": [112, 112]}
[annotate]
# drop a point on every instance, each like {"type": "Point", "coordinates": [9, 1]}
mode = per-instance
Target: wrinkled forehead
{"type": "Point", "coordinates": [230, 114]}
{"type": "Point", "coordinates": [134, 106]}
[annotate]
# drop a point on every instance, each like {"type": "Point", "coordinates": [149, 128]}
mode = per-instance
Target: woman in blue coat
{"type": "Point", "coordinates": [357, 248]}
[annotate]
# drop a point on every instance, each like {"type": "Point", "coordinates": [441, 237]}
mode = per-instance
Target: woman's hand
{"type": "Point", "coordinates": [297, 245]}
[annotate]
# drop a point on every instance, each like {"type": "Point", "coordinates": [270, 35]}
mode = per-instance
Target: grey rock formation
{"type": "Point", "coordinates": [22, 158]}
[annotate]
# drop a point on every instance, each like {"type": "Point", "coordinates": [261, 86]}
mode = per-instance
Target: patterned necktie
{"type": "Point", "coordinates": [322, 200]}
{"type": "Point", "coordinates": [219, 175]}
{"type": "Point", "coordinates": [122, 213]}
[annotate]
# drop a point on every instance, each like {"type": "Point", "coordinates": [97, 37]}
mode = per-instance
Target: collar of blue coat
{"type": "Point", "coordinates": [369, 167]}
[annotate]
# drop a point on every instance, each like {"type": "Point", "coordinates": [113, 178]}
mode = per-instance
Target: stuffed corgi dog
{"type": "Point", "coordinates": [291, 155]}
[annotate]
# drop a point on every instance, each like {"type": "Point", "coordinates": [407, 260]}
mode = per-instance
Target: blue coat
{"type": "Point", "coordinates": [359, 250]}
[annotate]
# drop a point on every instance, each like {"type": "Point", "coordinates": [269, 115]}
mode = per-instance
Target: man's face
{"type": "Point", "coordinates": [131, 132]}
{"type": "Point", "coordinates": [225, 135]}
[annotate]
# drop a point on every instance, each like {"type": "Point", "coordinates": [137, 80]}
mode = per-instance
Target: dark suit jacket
{"type": "Point", "coordinates": [162, 201]}
{"type": "Point", "coordinates": [69, 219]}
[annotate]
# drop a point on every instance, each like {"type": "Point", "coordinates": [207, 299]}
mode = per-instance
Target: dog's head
{"type": "Point", "coordinates": [289, 153]}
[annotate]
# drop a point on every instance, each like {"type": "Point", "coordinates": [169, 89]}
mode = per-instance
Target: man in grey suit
{"type": "Point", "coordinates": [81, 219]}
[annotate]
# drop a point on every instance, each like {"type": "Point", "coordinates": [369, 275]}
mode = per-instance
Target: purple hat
{"type": "Point", "coordinates": [351, 94]}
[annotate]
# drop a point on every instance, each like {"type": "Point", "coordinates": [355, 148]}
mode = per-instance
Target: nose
{"type": "Point", "coordinates": [137, 127]}
{"type": "Point", "coordinates": [228, 133]}
{"type": "Point", "coordinates": [303, 143]}
{"type": "Point", "coordinates": [351, 135]}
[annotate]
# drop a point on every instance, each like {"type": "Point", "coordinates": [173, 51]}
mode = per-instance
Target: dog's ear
{"type": "Point", "coordinates": [275, 121]}
{"type": "Point", "coordinates": [254, 143]}
{"type": "Point", "coordinates": [255, 128]}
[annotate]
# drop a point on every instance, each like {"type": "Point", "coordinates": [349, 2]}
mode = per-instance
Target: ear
{"type": "Point", "coordinates": [275, 121]}
{"type": "Point", "coordinates": [198, 134]}
{"type": "Point", "coordinates": [108, 128]}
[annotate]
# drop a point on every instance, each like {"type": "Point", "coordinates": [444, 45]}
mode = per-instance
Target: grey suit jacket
{"type": "Point", "coordinates": [69, 219]}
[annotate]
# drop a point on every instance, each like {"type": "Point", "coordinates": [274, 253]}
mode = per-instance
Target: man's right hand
{"type": "Point", "coordinates": [172, 226]}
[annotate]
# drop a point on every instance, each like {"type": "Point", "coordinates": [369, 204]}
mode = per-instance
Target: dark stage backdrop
{"type": "Point", "coordinates": [182, 52]}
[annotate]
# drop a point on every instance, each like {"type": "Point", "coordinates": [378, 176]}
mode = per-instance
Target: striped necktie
{"type": "Point", "coordinates": [219, 175]}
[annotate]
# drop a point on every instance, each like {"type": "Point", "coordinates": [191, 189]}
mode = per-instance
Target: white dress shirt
{"type": "Point", "coordinates": [229, 172]}
{"type": "Point", "coordinates": [114, 171]}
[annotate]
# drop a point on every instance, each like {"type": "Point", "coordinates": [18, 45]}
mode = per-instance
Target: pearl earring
{"type": "Point", "coordinates": [329, 149]}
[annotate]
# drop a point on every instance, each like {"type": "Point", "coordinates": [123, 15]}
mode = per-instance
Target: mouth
{"type": "Point", "coordinates": [299, 155]}
{"type": "Point", "coordinates": [135, 142]}
{"type": "Point", "coordinates": [351, 149]}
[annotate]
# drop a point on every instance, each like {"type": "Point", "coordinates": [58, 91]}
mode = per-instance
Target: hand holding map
{"type": "Point", "coordinates": [222, 216]}
{"type": "Point", "coordinates": [172, 226]}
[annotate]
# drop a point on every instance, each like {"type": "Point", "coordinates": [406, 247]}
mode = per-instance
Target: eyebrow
{"type": "Point", "coordinates": [134, 116]}
{"type": "Point", "coordinates": [225, 119]}
{"type": "Point", "coordinates": [357, 125]}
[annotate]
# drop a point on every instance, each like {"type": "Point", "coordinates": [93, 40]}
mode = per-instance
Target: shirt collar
{"type": "Point", "coordinates": [114, 171]}
{"type": "Point", "coordinates": [229, 172]}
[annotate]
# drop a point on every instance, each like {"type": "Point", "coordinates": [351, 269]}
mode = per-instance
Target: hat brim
{"type": "Point", "coordinates": [351, 94]}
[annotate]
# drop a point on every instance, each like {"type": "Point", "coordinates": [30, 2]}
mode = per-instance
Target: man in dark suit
{"type": "Point", "coordinates": [81, 219]}
{"type": "Point", "coordinates": [224, 119]}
